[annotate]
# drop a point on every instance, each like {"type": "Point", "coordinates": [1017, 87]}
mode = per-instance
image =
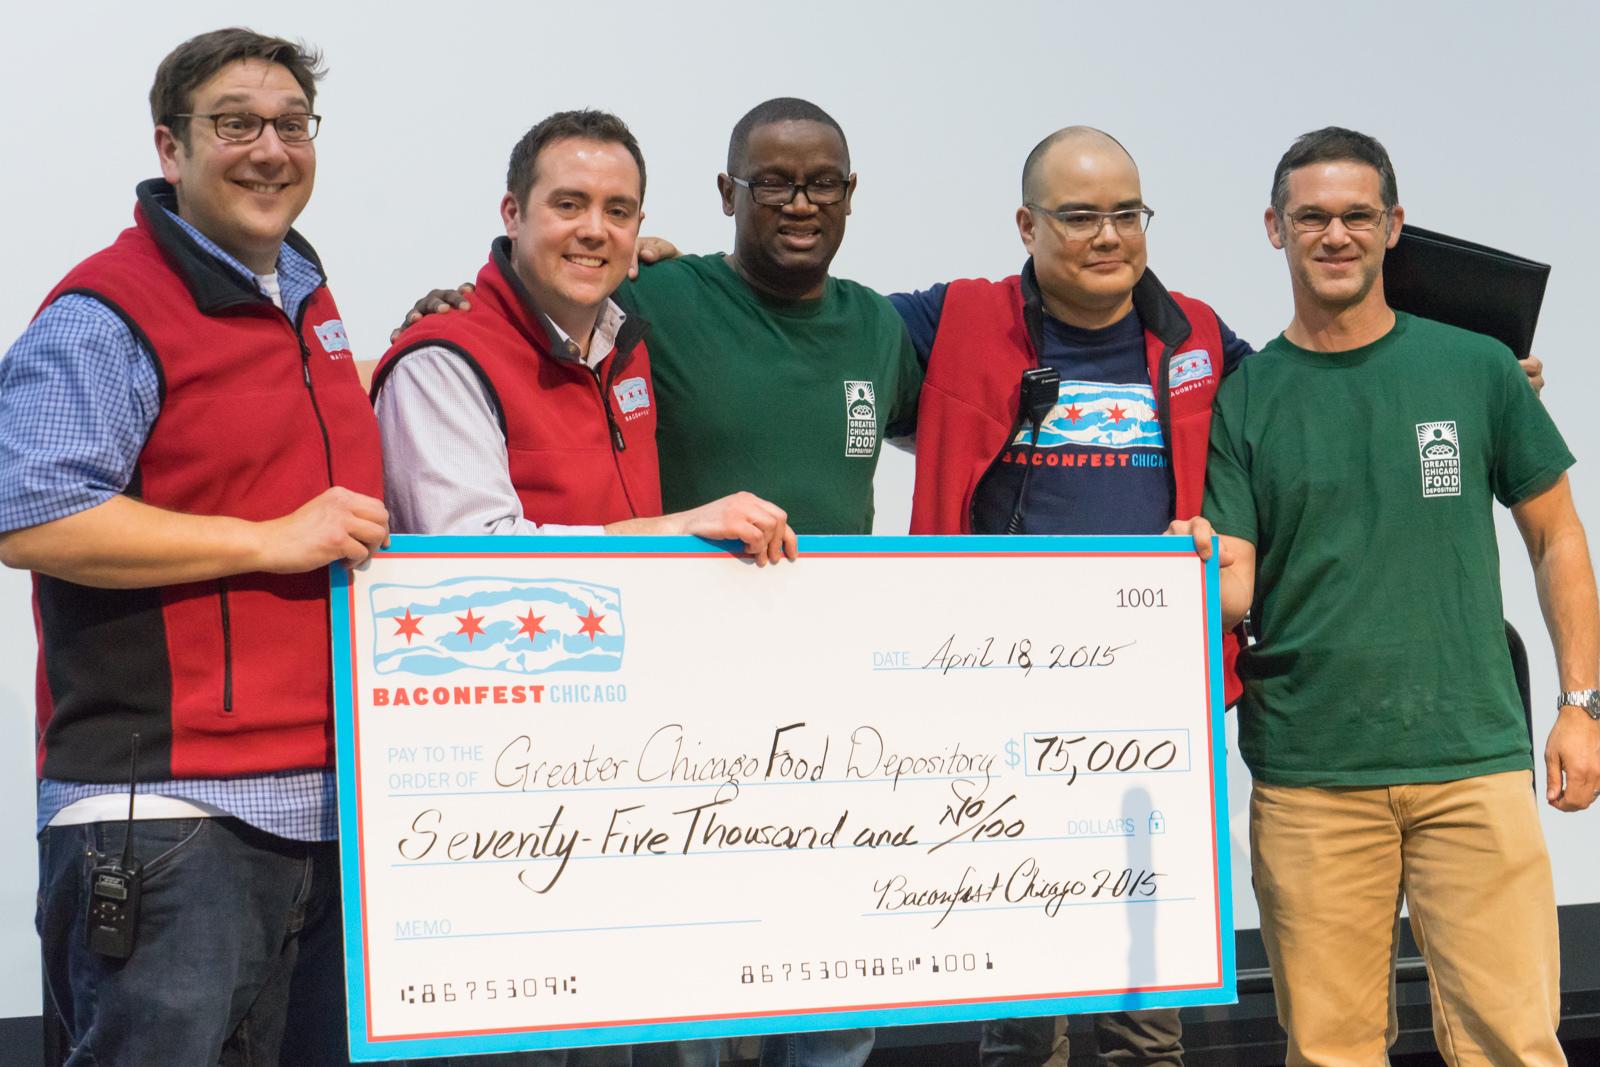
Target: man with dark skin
{"type": "Point", "coordinates": [729, 332]}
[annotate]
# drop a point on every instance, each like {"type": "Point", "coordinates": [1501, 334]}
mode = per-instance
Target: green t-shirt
{"type": "Point", "coordinates": [1366, 480]}
{"type": "Point", "coordinates": [790, 400]}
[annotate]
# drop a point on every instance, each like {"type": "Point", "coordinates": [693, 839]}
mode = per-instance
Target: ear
{"type": "Point", "coordinates": [1025, 222]}
{"type": "Point", "coordinates": [725, 189]}
{"type": "Point", "coordinates": [1274, 228]}
{"type": "Point", "coordinates": [169, 150]}
{"type": "Point", "coordinates": [1397, 219]}
{"type": "Point", "coordinates": [849, 191]}
{"type": "Point", "coordinates": [510, 214]}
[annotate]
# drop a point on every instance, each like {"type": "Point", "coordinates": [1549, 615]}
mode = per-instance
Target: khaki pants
{"type": "Point", "coordinates": [1331, 867]}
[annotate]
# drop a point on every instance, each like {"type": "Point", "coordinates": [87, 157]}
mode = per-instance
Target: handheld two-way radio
{"type": "Point", "coordinates": [114, 888]}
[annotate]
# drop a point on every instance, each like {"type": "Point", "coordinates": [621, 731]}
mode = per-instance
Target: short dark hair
{"type": "Point", "coordinates": [1334, 144]}
{"type": "Point", "coordinates": [778, 109]}
{"type": "Point", "coordinates": [588, 125]}
{"type": "Point", "coordinates": [188, 66]}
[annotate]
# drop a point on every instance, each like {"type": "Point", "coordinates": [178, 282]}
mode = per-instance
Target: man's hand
{"type": "Point", "coordinates": [653, 250]}
{"type": "Point", "coordinates": [1572, 761]}
{"type": "Point", "coordinates": [337, 524]}
{"type": "Point", "coordinates": [760, 524]}
{"type": "Point", "coordinates": [1236, 563]}
{"type": "Point", "coordinates": [1533, 367]}
{"type": "Point", "coordinates": [1201, 531]}
{"type": "Point", "coordinates": [435, 303]}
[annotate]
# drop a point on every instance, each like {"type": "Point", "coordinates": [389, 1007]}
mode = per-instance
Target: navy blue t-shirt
{"type": "Point", "coordinates": [1099, 465]}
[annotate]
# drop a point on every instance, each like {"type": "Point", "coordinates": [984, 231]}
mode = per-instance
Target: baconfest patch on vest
{"type": "Point", "coordinates": [512, 626]}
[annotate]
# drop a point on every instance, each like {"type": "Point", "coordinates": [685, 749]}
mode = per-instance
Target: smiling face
{"type": "Point", "coordinates": [573, 238]}
{"type": "Point", "coordinates": [1085, 281]}
{"type": "Point", "coordinates": [786, 250]}
{"type": "Point", "coordinates": [242, 196]}
{"type": "Point", "coordinates": [1335, 269]}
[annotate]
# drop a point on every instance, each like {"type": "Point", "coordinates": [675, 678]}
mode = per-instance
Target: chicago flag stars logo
{"type": "Point", "coordinates": [523, 626]}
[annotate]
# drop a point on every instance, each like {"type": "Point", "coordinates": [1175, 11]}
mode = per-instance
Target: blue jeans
{"type": "Point", "coordinates": [820, 1048]}
{"type": "Point", "coordinates": [217, 959]}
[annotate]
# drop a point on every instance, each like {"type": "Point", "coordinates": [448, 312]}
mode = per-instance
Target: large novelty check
{"type": "Point", "coordinates": [609, 790]}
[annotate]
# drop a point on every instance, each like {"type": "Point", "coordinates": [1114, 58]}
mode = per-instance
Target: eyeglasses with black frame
{"type": "Point", "coordinates": [1129, 222]}
{"type": "Point", "coordinates": [822, 192]}
{"type": "Point", "coordinates": [243, 127]}
{"type": "Point", "coordinates": [1311, 220]}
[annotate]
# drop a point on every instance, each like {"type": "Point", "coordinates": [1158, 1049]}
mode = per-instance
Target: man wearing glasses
{"type": "Point", "coordinates": [1114, 442]}
{"type": "Point", "coordinates": [1381, 720]}
{"type": "Point", "coordinates": [180, 589]}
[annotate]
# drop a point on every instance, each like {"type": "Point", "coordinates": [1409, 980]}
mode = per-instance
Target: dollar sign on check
{"type": "Point", "coordinates": [1013, 755]}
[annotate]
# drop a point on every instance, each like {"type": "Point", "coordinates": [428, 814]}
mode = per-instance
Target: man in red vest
{"type": "Point", "coordinates": [1114, 443]}
{"type": "Point", "coordinates": [184, 448]}
{"type": "Point", "coordinates": [534, 410]}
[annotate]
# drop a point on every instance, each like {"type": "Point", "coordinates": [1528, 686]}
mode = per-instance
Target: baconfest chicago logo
{"type": "Point", "coordinates": [507, 626]}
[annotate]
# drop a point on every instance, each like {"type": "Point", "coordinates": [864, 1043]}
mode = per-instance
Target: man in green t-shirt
{"type": "Point", "coordinates": [1353, 468]}
{"type": "Point", "coordinates": [770, 370]}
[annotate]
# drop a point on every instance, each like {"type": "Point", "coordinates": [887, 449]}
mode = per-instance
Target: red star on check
{"type": "Point", "coordinates": [408, 627]}
{"type": "Point", "coordinates": [1073, 413]}
{"type": "Point", "coordinates": [470, 625]}
{"type": "Point", "coordinates": [1116, 414]}
{"type": "Point", "coordinates": [590, 625]}
{"type": "Point", "coordinates": [530, 624]}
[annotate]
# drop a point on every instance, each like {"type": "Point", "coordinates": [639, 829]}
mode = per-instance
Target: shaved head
{"type": "Point", "coordinates": [1083, 140]}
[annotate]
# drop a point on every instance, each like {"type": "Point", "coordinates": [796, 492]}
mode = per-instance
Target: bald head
{"type": "Point", "coordinates": [1076, 147]}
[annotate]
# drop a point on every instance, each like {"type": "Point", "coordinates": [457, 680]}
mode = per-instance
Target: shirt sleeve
{"type": "Point", "coordinates": [908, 391]}
{"type": "Point", "coordinates": [1529, 453]}
{"type": "Point", "coordinates": [920, 311]}
{"type": "Point", "coordinates": [1230, 502]}
{"type": "Point", "coordinates": [444, 455]}
{"type": "Point", "coordinates": [1234, 349]}
{"type": "Point", "coordinates": [78, 395]}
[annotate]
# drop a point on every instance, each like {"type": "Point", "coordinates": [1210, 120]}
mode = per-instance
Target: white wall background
{"type": "Point", "coordinates": [1487, 110]}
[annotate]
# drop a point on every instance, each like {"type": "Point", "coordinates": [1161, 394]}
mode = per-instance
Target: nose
{"type": "Point", "coordinates": [269, 147]}
{"type": "Point", "coordinates": [1336, 234]}
{"type": "Point", "coordinates": [800, 203]}
{"type": "Point", "coordinates": [1106, 234]}
{"type": "Point", "coordinates": [591, 224]}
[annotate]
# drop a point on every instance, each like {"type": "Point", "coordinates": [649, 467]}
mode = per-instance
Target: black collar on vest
{"type": "Point", "coordinates": [215, 286]}
{"type": "Point", "coordinates": [633, 326]}
{"type": "Point", "coordinates": [1158, 312]}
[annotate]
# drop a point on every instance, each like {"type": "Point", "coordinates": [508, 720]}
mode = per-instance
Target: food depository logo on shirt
{"type": "Point", "coordinates": [1440, 452]}
{"type": "Point", "coordinates": [861, 419]}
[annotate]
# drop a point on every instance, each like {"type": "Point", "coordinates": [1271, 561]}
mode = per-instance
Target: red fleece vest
{"type": "Point", "coordinates": [970, 395]}
{"type": "Point", "coordinates": [258, 415]}
{"type": "Point", "coordinates": [581, 449]}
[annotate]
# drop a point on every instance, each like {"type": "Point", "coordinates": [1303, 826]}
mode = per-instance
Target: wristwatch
{"type": "Point", "coordinates": [1587, 699]}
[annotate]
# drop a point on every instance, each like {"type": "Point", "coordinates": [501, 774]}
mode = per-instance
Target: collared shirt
{"type": "Point", "coordinates": [78, 396]}
{"type": "Point", "coordinates": [444, 454]}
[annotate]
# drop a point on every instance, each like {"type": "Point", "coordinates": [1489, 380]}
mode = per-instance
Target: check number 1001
{"type": "Point", "coordinates": [1133, 597]}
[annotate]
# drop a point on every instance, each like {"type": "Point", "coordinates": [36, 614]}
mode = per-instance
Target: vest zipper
{"type": "Point", "coordinates": [227, 647]}
{"type": "Point", "coordinates": [1163, 386]}
{"type": "Point", "coordinates": [618, 445]}
{"type": "Point", "coordinates": [305, 369]}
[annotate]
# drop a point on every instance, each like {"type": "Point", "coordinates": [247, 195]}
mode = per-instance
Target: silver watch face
{"type": "Point", "coordinates": [1587, 699]}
